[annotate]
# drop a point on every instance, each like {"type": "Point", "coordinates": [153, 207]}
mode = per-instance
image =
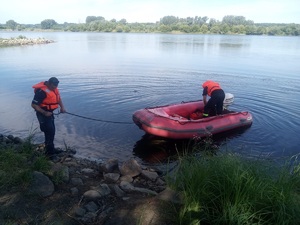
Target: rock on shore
{"type": "Point", "coordinates": [89, 192]}
{"type": "Point", "coordinates": [21, 40]}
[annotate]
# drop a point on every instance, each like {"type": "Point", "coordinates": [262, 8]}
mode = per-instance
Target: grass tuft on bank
{"type": "Point", "coordinates": [17, 162]}
{"type": "Point", "coordinates": [229, 189]}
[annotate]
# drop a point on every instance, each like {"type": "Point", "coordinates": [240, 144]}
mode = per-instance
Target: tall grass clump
{"type": "Point", "coordinates": [17, 162]}
{"type": "Point", "coordinates": [228, 189]}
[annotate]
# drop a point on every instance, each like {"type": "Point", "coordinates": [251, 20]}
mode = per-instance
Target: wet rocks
{"type": "Point", "coordinates": [23, 41]}
{"type": "Point", "coordinates": [130, 168]}
{"type": "Point", "coordinates": [9, 140]}
{"type": "Point", "coordinates": [117, 182]}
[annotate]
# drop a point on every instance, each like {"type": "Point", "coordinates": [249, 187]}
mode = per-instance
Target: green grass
{"type": "Point", "coordinates": [18, 163]}
{"type": "Point", "coordinates": [228, 189]}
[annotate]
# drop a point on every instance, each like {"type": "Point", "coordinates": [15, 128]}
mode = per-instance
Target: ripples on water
{"type": "Point", "coordinates": [109, 76]}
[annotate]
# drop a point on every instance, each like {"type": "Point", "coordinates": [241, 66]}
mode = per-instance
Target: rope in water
{"type": "Point", "coordinates": [89, 118]}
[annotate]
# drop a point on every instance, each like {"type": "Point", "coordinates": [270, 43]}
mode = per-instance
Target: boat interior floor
{"type": "Point", "coordinates": [199, 114]}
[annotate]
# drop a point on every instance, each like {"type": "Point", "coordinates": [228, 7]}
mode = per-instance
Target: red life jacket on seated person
{"type": "Point", "coordinates": [211, 86]}
{"type": "Point", "coordinates": [52, 97]}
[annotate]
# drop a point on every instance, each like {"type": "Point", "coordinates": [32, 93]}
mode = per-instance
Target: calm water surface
{"type": "Point", "coordinates": [109, 76]}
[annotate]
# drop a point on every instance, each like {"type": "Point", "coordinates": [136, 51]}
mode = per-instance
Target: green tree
{"type": "Point", "coordinates": [90, 19]}
{"type": "Point", "coordinates": [291, 29]}
{"type": "Point", "coordinates": [100, 18]}
{"type": "Point", "coordinates": [224, 28]}
{"type": "Point", "coordinates": [168, 20]}
{"type": "Point", "coordinates": [119, 28]}
{"type": "Point", "coordinates": [11, 24]}
{"type": "Point", "coordinates": [212, 22]}
{"type": "Point", "coordinates": [92, 26]}
{"type": "Point", "coordinates": [185, 28]}
{"type": "Point", "coordinates": [215, 29]}
{"type": "Point", "coordinates": [109, 26]}
{"type": "Point", "coordinates": [195, 28]}
{"type": "Point", "coordinates": [251, 30]}
{"type": "Point", "coordinates": [175, 26]}
{"type": "Point", "coordinates": [200, 20]}
{"type": "Point", "coordinates": [236, 20]}
{"type": "Point", "coordinates": [261, 30]}
{"type": "Point", "coordinates": [238, 29]}
{"type": "Point", "coordinates": [164, 28]}
{"type": "Point", "coordinates": [20, 27]}
{"type": "Point", "coordinates": [122, 21]}
{"type": "Point", "coordinates": [126, 28]}
{"type": "Point", "coordinates": [48, 24]}
{"type": "Point", "coordinates": [73, 28]}
{"type": "Point", "coordinates": [190, 20]}
{"type": "Point", "coordinates": [204, 29]}
{"type": "Point", "coordinates": [274, 30]}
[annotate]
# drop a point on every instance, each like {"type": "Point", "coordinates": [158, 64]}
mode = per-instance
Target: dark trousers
{"type": "Point", "coordinates": [215, 103]}
{"type": "Point", "coordinates": [48, 127]}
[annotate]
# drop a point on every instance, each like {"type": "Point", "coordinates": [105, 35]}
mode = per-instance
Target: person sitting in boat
{"type": "Point", "coordinates": [214, 106]}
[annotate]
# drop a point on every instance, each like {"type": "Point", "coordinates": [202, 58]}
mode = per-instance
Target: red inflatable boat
{"type": "Point", "coordinates": [184, 120]}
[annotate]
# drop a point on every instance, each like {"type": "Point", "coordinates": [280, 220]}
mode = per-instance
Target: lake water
{"type": "Point", "coordinates": [108, 76]}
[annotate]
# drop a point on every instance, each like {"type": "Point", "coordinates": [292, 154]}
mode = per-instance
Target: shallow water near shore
{"type": "Point", "coordinates": [107, 76]}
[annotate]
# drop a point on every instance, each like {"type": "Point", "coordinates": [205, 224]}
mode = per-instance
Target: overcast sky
{"type": "Point", "coordinates": [76, 11]}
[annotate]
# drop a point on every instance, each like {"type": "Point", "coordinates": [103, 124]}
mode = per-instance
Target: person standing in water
{"type": "Point", "coordinates": [46, 99]}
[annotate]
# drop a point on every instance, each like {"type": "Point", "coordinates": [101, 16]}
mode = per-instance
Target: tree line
{"type": "Point", "coordinates": [168, 24]}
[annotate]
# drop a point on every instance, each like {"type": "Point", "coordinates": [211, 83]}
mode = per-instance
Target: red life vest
{"type": "Point", "coordinates": [211, 86]}
{"type": "Point", "coordinates": [52, 97]}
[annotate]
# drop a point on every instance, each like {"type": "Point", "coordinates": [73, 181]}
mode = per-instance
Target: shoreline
{"type": "Point", "coordinates": [87, 192]}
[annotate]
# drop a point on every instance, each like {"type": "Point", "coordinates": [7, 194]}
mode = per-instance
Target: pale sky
{"type": "Point", "coordinates": [76, 11]}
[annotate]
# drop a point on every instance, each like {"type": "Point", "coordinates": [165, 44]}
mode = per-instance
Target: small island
{"type": "Point", "coordinates": [22, 40]}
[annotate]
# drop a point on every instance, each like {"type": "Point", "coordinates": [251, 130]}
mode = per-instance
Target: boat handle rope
{"type": "Point", "coordinates": [89, 118]}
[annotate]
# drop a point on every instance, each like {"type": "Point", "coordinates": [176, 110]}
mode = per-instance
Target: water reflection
{"type": "Point", "coordinates": [153, 149]}
{"type": "Point", "coordinates": [221, 138]}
